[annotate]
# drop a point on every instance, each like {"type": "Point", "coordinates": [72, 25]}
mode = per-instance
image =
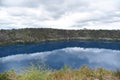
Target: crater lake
{"type": "Point", "coordinates": [55, 54]}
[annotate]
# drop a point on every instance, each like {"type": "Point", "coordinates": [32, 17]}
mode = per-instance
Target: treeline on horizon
{"type": "Point", "coordinates": [47, 34]}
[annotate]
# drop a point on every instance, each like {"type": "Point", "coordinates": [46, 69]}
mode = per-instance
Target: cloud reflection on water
{"type": "Point", "coordinates": [73, 56]}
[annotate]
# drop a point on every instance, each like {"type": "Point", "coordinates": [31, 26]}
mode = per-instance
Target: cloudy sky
{"type": "Point", "coordinates": [61, 14]}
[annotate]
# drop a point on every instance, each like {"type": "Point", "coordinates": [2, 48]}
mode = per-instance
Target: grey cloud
{"type": "Point", "coordinates": [60, 8]}
{"type": "Point", "coordinates": [57, 9]}
{"type": "Point", "coordinates": [107, 18]}
{"type": "Point", "coordinates": [54, 7]}
{"type": "Point", "coordinates": [19, 3]}
{"type": "Point", "coordinates": [29, 3]}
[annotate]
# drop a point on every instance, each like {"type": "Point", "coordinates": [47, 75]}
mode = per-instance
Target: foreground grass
{"type": "Point", "coordinates": [83, 73]}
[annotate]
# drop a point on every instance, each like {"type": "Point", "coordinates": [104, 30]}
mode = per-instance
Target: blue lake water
{"type": "Point", "coordinates": [74, 53]}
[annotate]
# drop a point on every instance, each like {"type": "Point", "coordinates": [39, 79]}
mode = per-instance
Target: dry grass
{"type": "Point", "coordinates": [83, 73]}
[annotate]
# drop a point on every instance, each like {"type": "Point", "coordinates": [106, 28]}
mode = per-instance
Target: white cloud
{"type": "Point", "coordinates": [62, 14]}
{"type": "Point", "coordinates": [105, 5]}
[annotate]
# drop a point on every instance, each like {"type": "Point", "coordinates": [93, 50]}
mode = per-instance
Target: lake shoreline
{"type": "Point", "coordinates": [32, 35]}
{"type": "Point", "coordinates": [57, 40]}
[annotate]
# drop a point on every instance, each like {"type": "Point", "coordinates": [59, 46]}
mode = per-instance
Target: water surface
{"type": "Point", "coordinates": [74, 53]}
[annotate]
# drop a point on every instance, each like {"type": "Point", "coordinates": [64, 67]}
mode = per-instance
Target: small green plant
{"type": "Point", "coordinates": [34, 73]}
{"type": "Point", "coordinates": [117, 73]}
{"type": "Point", "coordinates": [9, 75]}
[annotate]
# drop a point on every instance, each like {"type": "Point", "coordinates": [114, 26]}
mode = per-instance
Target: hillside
{"type": "Point", "coordinates": [41, 34]}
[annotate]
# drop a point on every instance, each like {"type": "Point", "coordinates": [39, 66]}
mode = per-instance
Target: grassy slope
{"type": "Point", "coordinates": [83, 73]}
{"type": "Point", "coordinates": [38, 35]}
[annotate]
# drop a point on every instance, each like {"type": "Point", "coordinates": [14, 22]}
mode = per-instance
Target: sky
{"type": "Point", "coordinates": [60, 14]}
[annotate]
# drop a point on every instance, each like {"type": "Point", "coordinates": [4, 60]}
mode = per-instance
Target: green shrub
{"type": "Point", "coordinates": [65, 73]}
{"type": "Point", "coordinates": [10, 75]}
{"type": "Point", "coordinates": [117, 73]}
